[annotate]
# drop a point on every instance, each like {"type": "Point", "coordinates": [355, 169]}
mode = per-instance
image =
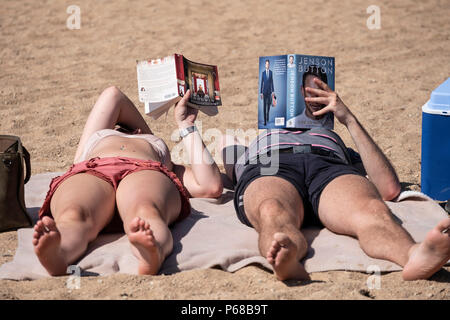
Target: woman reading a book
{"type": "Point", "coordinates": [127, 178]}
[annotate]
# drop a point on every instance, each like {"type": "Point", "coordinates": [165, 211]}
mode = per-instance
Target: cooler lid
{"type": "Point", "coordinates": [440, 97]}
{"type": "Point", "coordinates": [439, 102]}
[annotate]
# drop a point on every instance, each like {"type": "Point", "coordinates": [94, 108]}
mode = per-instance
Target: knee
{"type": "Point", "coordinates": [74, 213]}
{"type": "Point", "coordinates": [112, 92]}
{"type": "Point", "coordinates": [374, 213]}
{"type": "Point", "coordinates": [272, 211]}
{"type": "Point", "coordinates": [147, 210]}
{"type": "Point", "coordinates": [144, 211]}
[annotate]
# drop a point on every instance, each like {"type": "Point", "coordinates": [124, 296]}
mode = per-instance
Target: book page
{"type": "Point", "coordinates": [157, 80]}
{"type": "Point", "coordinates": [156, 110]}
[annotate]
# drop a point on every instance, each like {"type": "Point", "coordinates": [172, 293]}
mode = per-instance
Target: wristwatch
{"type": "Point", "coordinates": [185, 131]}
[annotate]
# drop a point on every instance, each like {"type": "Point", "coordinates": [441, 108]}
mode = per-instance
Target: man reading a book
{"type": "Point", "coordinates": [287, 179]}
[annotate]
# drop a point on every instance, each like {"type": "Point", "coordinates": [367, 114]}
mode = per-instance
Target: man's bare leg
{"type": "Point", "coordinates": [427, 257]}
{"type": "Point", "coordinates": [81, 206]}
{"type": "Point", "coordinates": [351, 205]}
{"type": "Point", "coordinates": [275, 209]}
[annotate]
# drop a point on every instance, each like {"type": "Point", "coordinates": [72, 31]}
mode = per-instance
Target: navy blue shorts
{"type": "Point", "coordinates": [308, 173]}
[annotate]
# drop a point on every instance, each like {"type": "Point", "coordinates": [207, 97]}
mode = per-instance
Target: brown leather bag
{"type": "Point", "coordinates": [14, 159]}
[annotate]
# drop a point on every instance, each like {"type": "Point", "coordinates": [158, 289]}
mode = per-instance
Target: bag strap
{"type": "Point", "coordinates": [18, 147]}
{"type": "Point", "coordinates": [26, 156]}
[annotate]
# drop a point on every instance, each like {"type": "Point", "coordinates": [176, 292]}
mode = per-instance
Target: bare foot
{"type": "Point", "coordinates": [146, 249]}
{"type": "Point", "coordinates": [428, 257]}
{"type": "Point", "coordinates": [46, 242]}
{"type": "Point", "coordinates": [282, 255]}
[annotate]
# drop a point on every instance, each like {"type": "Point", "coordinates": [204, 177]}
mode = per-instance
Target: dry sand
{"type": "Point", "coordinates": [51, 77]}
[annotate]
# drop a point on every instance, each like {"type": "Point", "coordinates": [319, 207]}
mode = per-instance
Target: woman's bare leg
{"type": "Point", "coordinates": [148, 202]}
{"type": "Point", "coordinates": [81, 207]}
{"type": "Point", "coordinates": [112, 107]}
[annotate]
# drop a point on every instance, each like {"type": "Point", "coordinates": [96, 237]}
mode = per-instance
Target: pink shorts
{"type": "Point", "coordinates": [113, 170]}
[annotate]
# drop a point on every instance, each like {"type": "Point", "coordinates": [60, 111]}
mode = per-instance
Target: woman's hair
{"type": "Point", "coordinates": [314, 70]}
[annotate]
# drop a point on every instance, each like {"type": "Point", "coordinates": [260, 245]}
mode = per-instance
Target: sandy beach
{"type": "Point", "coordinates": [51, 76]}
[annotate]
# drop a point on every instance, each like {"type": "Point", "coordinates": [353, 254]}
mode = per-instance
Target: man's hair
{"type": "Point", "coordinates": [314, 70]}
{"type": "Point", "coordinates": [267, 61]}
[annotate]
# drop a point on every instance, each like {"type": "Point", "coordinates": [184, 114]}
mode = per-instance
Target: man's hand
{"type": "Point", "coordinates": [184, 115]}
{"type": "Point", "coordinates": [331, 100]}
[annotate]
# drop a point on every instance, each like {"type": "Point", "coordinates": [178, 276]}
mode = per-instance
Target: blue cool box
{"type": "Point", "coordinates": [435, 178]}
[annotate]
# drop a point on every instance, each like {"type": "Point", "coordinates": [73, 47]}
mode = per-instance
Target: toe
{"type": "Point", "coordinates": [444, 224]}
{"type": "Point", "coordinates": [282, 239]}
{"type": "Point", "coordinates": [273, 251]}
{"type": "Point", "coordinates": [134, 224]}
{"type": "Point", "coordinates": [141, 224]}
{"type": "Point", "coordinates": [38, 226]}
{"type": "Point", "coordinates": [49, 224]}
{"type": "Point", "coordinates": [275, 245]}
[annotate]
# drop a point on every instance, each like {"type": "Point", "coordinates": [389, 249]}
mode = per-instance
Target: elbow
{"type": "Point", "coordinates": [391, 191]}
{"type": "Point", "coordinates": [213, 190]}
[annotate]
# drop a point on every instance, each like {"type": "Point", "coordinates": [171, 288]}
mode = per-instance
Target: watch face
{"type": "Point", "coordinates": [185, 131]}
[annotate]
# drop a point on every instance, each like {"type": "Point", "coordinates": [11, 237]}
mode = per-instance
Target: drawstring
{"type": "Point", "coordinates": [91, 163]}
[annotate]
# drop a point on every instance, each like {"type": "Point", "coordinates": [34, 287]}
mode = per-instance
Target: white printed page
{"type": "Point", "coordinates": [157, 80]}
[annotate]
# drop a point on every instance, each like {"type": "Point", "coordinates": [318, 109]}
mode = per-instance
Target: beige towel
{"type": "Point", "coordinates": [212, 236]}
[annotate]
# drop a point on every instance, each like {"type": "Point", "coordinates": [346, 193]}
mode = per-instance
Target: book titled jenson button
{"type": "Point", "coordinates": [281, 91]}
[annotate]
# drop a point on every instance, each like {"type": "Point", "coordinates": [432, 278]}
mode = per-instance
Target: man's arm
{"type": "Point", "coordinates": [272, 89]}
{"type": "Point", "coordinates": [376, 164]}
{"type": "Point", "coordinates": [262, 84]}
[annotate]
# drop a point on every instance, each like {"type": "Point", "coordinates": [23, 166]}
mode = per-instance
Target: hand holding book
{"type": "Point", "coordinates": [184, 115]}
{"type": "Point", "coordinates": [330, 100]}
{"type": "Point", "coordinates": [162, 83]}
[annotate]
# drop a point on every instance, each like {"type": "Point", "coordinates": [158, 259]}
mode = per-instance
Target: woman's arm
{"type": "Point", "coordinates": [202, 179]}
{"type": "Point", "coordinates": [376, 164]}
{"type": "Point", "coordinates": [112, 108]}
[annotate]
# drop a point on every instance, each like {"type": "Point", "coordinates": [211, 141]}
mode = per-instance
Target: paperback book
{"type": "Point", "coordinates": [281, 86]}
{"type": "Point", "coordinates": [162, 82]}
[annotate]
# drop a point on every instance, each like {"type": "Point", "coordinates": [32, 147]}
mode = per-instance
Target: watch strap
{"type": "Point", "coordinates": [185, 131]}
